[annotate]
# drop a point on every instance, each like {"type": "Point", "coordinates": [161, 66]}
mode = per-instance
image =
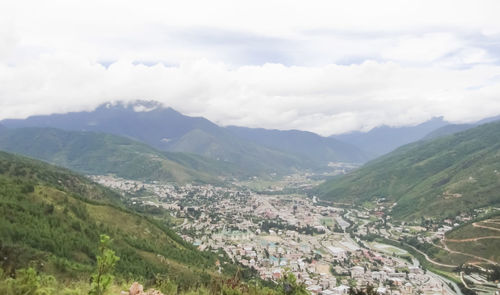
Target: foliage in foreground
{"type": "Point", "coordinates": [51, 219]}
{"type": "Point", "coordinates": [102, 278]}
{"type": "Point", "coordinates": [30, 282]}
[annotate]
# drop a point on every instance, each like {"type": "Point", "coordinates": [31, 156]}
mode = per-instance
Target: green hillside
{"type": "Point", "coordinates": [253, 158]}
{"type": "Point", "coordinates": [99, 153]}
{"type": "Point", "coordinates": [478, 240]}
{"type": "Point", "coordinates": [165, 129]}
{"type": "Point", "coordinates": [306, 145]}
{"type": "Point", "coordinates": [51, 219]}
{"type": "Point", "coordinates": [436, 178]}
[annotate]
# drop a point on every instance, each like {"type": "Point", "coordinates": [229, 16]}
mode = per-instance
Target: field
{"type": "Point", "coordinates": [389, 249]}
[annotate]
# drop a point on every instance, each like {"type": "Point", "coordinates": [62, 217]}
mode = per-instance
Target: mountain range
{"type": "Point", "coordinates": [384, 139]}
{"type": "Point", "coordinates": [447, 169]}
{"type": "Point", "coordinates": [257, 150]}
{"type": "Point", "coordinates": [100, 153]}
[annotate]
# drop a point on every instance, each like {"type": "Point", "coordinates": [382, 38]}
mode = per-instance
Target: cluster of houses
{"type": "Point", "coordinates": [327, 261]}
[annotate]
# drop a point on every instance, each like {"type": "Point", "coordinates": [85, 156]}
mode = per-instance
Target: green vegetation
{"type": "Point", "coordinates": [253, 158]}
{"type": "Point", "coordinates": [51, 220]}
{"type": "Point", "coordinates": [437, 178]}
{"type": "Point", "coordinates": [168, 130]}
{"type": "Point", "coordinates": [476, 240]}
{"type": "Point", "coordinates": [30, 282]}
{"type": "Point", "coordinates": [99, 153]}
{"type": "Point", "coordinates": [102, 278]}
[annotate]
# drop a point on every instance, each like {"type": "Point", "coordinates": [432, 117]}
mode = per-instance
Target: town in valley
{"type": "Point", "coordinates": [276, 227]}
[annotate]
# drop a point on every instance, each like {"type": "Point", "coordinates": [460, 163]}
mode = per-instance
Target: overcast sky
{"type": "Point", "coordinates": [324, 66]}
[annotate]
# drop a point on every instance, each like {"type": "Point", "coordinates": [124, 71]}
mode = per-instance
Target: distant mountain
{"type": "Point", "coordinates": [436, 178]}
{"type": "Point", "coordinates": [52, 218]}
{"type": "Point", "coordinates": [384, 139]}
{"type": "Point", "coordinates": [454, 128]}
{"type": "Point", "coordinates": [168, 130]}
{"type": "Point", "coordinates": [145, 121]}
{"type": "Point", "coordinates": [448, 130]}
{"type": "Point", "coordinates": [99, 153]}
{"type": "Point", "coordinates": [303, 144]}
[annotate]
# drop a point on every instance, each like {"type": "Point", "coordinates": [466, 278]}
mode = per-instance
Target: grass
{"type": "Point", "coordinates": [470, 231]}
{"type": "Point", "coordinates": [99, 153]}
{"type": "Point", "coordinates": [389, 249]}
{"type": "Point", "coordinates": [51, 218]}
{"type": "Point", "coordinates": [327, 221]}
{"type": "Point", "coordinates": [486, 248]}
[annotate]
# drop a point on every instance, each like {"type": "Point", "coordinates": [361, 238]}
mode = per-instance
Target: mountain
{"type": "Point", "coordinates": [448, 130]}
{"type": "Point", "coordinates": [100, 153]}
{"type": "Point", "coordinates": [245, 154]}
{"type": "Point", "coordinates": [454, 128]}
{"type": "Point", "coordinates": [145, 121]}
{"type": "Point", "coordinates": [168, 130]}
{"type": "Point", "coordinates": [304, 144]}
{"type": "Point", "coordinates": [51, 218]}
{"type": "Point", "coordinates": [384, 139]}
{"type": "Point", "coordinates": [435, 178]}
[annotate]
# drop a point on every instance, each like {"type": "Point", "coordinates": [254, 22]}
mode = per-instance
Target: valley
{"type": "Point", "coordinates": [192, 206]}
{"type": "Point", "coordinates": [280, 227]}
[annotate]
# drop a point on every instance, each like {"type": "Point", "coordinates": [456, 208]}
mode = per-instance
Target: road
{"type": "Point", "coordinates": [446, 281]}
{"type": "Point", "coordinates": [427, 257]}
{"type": "Point", "coordinates": [436, 276]}
{"type": "Point", "coordinates": [475, 224]}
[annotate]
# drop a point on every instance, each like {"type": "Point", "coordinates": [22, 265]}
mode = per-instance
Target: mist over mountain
{"type": "Point", "coordinates": [454, 128]}
{"type": "Point", "coordinates": [146, 121]}
{"type": "Point", "coordinates": [249, 147]}
{"type": "Point", "coordinates": [257, 150]}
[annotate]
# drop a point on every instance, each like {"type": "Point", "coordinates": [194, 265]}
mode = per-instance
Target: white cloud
{"type": "Point", "coordinates": [327, 99]}
{"type": "Point", "coordinates": [323, 66]}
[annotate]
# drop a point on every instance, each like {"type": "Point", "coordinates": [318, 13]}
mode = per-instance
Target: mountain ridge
{"type": "Point", "coordinates": [168, 130]}
{"type": "Point", "coordinates": [434, 178]}
{"type": "Point", "coordinates": [100, 153]}
{"type": "Point", "coordinates": [302, 143]}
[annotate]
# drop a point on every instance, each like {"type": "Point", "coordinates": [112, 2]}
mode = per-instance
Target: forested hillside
{"type": "Point", "coordinates": [99, 153]}
{"type": "Point", "coordinates": [51, 219]}
{"type": "Point", "coordinates": [316, 149]}
{"type": "Point", "coordinates": [168, 130]}
{"type": "Point", "coordinates": [435, 178]}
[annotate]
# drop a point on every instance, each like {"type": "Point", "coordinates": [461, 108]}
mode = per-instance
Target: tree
{"type": "Point", "coordinates": [102, 278]}
{"type": "Point", "coordinates": [370, 290]}
{"type": "Point", "coordinates": [290, 286]}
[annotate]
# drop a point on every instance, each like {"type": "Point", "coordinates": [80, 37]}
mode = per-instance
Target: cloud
{"type": "Point", "coordinates": [328, 67]}
{"type": "Point", "coordinates": [327, 99]}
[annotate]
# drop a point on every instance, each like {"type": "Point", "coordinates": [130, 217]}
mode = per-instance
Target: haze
{"type": "Point", "coordinates": [319, 66]}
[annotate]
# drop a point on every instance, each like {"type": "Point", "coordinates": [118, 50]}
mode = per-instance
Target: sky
{"type": "Point", "coordinates": [328, 67]}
